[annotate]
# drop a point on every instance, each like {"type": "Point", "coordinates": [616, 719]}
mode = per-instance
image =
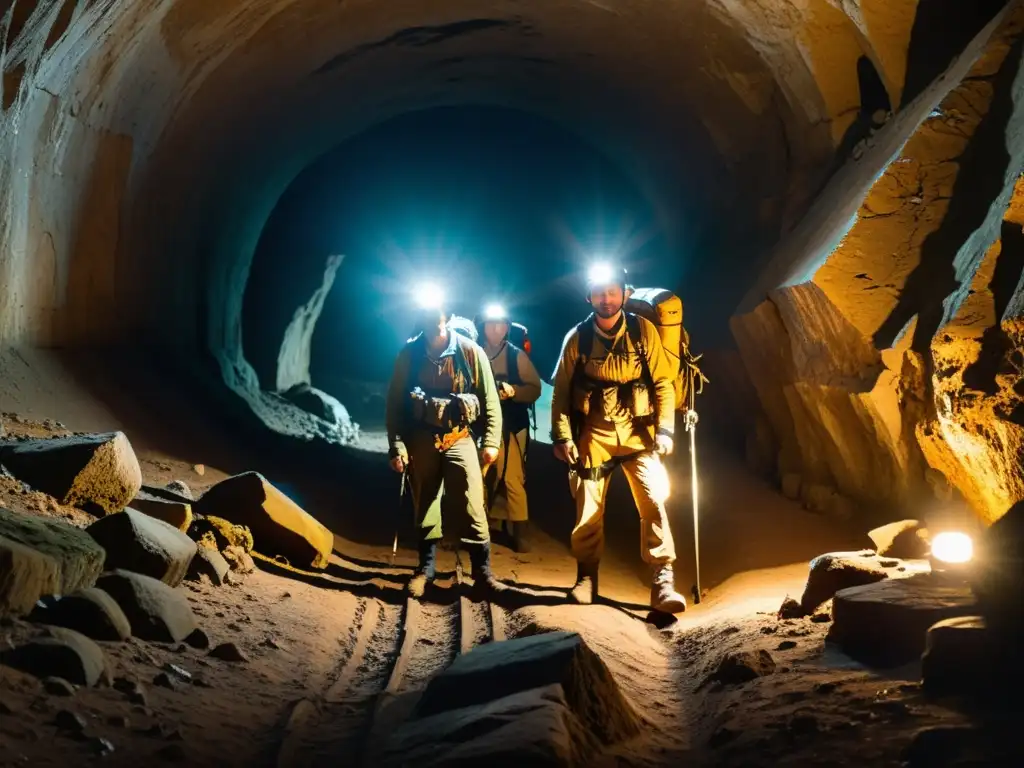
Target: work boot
{"type": "Point", "coordinates": [664, 597]}
{"type": "Point", "coordinates": [585, 589]}
{"type": "Point", "coordinates": [426, 570]}
{"type": "Point", "coordinates": [520, 543]}
{"type": "Point", "coordinates": [484, 582]}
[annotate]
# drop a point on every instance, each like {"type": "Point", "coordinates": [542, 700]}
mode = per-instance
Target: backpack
{"type": "Point", "coordinates": [520, 337]}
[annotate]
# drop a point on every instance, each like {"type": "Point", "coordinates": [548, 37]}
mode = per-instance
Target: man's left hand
{"type": "Point", "coordinates": [506, 390]}
{"type": "Point", "coordinates": [664, 444]}
{"type": "Point", "coordinates": [488, 456]}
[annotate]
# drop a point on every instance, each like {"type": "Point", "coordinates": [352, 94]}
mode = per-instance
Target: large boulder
{"type": "Point", "coordinates": [98, 473]}
{"type": "Point", "coordinates": [164, 504]}
{"type": "Point", "coordinates": [143, 544]}
{"type": "Point", "coordinates": [886, 622]}
{"type": "Point", "coordinates": [26, 574]}
{"type": "Point", "coordinates": [92, 612]}
{"type": "Point", "coordinates": [155, 611]}
{"type": "Point", "coordinates": [905, 539]}
{"type": "Point", "coordinates": [80, 558]}
{"type": "Point", "coordinates": [532, 727]}
{"type": "Point", "coordinates": [279, 526]}
{"type": "Point", "coordinates": [839, 570]}
{"type": "Point", "coordinates": [562, 659]}
{"type": "Point", "coordinates": [64, 653]}
{"type": "Point", "coordinates": [998, 573]}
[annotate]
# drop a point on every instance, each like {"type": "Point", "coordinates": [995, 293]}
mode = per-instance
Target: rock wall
{"type": "Point", "coordinates": [895, 371]}
{"type": "Point", "coordinates": [293, 358]}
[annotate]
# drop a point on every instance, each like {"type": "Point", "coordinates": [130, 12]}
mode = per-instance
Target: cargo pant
{"type": "Point", "coordinates": [647, 480]}
{"type": "Point", "coordinates": [509, 500]}
{"type": "Point", "coordinates": [447, 484]}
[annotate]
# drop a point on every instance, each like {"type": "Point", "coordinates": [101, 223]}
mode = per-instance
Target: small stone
{"type": "Point", "coordinates": [270, 642]}
{"type": "Point", "coordinates": [198, 639]}
{"type": "Point", "coordinates": [56, 686]}
{"type": "Point", "coordinates": [239, 560]}
{"type": "Point", "coordinates": [199, 469]}
{"type": "Point", "coordinates": [821, 617]}
{"type": "Point", "coordinates": [743, 666]}
{"type": "Point", "coordinates": [182, 674]}
{"type": "Point", "coordinates": [181, 487]}
{"type": "Point", "coordinates": [165, 681]}
{"type": "Point", "coordinates": [101, 746]}
{"type": "Point", "coordinates": [769, 630]}
{"type": "Point", "coordinates": [791, 609]}
{"type": "Point", "coordinates": [786, 645]}
{"type": "Point", "coordinates": [228, 652]}
{"type": "Point", "coordinates": [66, 720]}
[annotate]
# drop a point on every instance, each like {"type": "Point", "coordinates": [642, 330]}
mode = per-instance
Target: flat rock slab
{"type": "Point", "coordinates": [155, 611]}
{"type": "Point", "coordinates": [500, 669]}
{"type": "Point", "coordinates": [80, 558]}
{"type": "Point", "coordinates": [142, 544]}
{"type": "Point", "coordinates": [210, 563]}
{"type": "Point", "coordinates": [532, 727]}
{"type": "Point", "coordinates": [279, 526]}
{"type": "Point", "coordinates": [91, 612]}
{"type": "Point", "coordinates": [885, 623]}
{"type": "Point", "coordinates": [65, 654]}
{"type": "Point", "coordinates": [840, 570]}
{"type": "Point", "coordinates": [904, 539]}
{"type": "Point", "coordinates": [98, 473]}
{"type": "Point", "coordinates": [26, 575]}
{"type": "Point", "coordinates": [170, 507]}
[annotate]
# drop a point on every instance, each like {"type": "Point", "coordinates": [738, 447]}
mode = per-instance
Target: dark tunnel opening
{"type": "Point", "coordinates": [416, 199]}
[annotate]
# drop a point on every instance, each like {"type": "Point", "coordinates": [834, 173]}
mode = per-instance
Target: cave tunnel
{"type": "Point", "coordinates": [213, 212]}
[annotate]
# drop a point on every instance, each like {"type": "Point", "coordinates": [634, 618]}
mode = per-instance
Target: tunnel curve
{"type": "Point", "coordinates": [146, 142]}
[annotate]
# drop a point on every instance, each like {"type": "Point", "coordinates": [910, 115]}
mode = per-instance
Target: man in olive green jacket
{"type": "Point", "coordinates": [440, 387]}
{"type": "Point", "coordinates": [614, 405]}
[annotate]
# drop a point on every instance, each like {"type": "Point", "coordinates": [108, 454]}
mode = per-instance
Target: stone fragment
{"type": "Point", "coordinates": [199, 469]}
{"type": "Point", "coordinates": [66, 720]}
{"type": "Point", "coordinates": [65, 654]}
{"type": "Point", "coordinates": [791, 609]}
{"type": "Point", "coordinates": [217, 533]}
{"type": "Point", "coordinates": [198, 639]}
{"type": "Point", "coordinates": [58, 686]}
{"type": "Point", "coordinates": [181, 488]}
{"type": "Point", "coordinates": [26, 575]}
{"type": "Point", "coordinates": [958, 656]}
{"type": "Point", "coordinates": [904, 539]}
{"type": "Point", "coordinates": [531, 727]}
{"type": "Point", "coordinates": [210, 563]}
{"type": "Point", "coordinates": [80, 558]}
{"type": "Point", "coordinates": [228, 652]}
{"type": "Point", "coordinates": [885, 623]}
{"type": "Point", "coordinates": [839, 570]}
{"type": "Point", "coordinates": [142, 544]}
{"type": "Point", "coordinates": [559, 659]}
{"type": "Point", "coordinates": [155, 611]}
{"type": "Point", "coordinates": [742, 667]}
{"type": "Point", "coordinates": [239, 560]}
{"type": "Point", "coordinates": [173, 509]}
{"type": "Point", "coordinates": [279, 526]}
{"type": "Point", "coordinates": [98, 473]}
{"type": "Point", "coordinates": [91, 612]}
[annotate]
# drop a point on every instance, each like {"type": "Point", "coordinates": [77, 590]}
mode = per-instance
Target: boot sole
{"type": "Point", "coordinates": [670, 607]}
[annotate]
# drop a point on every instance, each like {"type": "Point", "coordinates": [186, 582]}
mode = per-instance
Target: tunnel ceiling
{"type": "Point", "coordinates": [146, 141]}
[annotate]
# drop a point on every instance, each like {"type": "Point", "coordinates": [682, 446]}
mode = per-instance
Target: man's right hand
{"type": "Point", "coordinates": [399, 462]}
{"type": "Point", "coordinates": [566, 452]}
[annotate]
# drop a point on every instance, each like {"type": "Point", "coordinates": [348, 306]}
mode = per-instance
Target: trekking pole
{"type": "Point", "coordinates": [401, 497]}
{"type": "Point", "coordinates": [691, 427]}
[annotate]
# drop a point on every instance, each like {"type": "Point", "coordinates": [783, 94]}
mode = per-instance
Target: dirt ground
{"type": "Point", "coordinates": [331, 640]}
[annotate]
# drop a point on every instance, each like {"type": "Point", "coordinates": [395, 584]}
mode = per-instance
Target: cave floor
{"type": "Point", "coordinates": [322, 650]}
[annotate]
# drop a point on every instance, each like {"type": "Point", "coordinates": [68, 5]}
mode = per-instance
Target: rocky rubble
{"type": "Point", "coordinates": [140, 543]}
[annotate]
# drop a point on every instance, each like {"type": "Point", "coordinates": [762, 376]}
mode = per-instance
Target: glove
{"type": "Point", "coordinates": [663, 444]}
{"type": "Point", "coordinates": [691, 419]}
{"type": "Point", "coordinates": [399, 458]}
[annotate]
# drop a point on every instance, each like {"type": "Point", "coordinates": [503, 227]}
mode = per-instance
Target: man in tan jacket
{"type": "Point", "coordinates": [441, 386]}
{"type": "Point", "coordinates": [614, 405]}
{"type": "Point", "coordinates": [518, 387]}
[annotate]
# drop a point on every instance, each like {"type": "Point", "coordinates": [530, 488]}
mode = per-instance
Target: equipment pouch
{"type": "Point", "coordinates": [435, 412]}
{"type": "Point", "coordinates": [640, 400]}
{"type": "Point", "coordinates": [469, 407]}
{"type": "Point", "coordinates": [419, 404]}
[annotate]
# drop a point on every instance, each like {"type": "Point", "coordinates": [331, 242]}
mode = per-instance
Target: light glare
{"type": "Point", "coordinates": [600, 274]}
{"type": "Point", "coordinates": [494, 312]}
{"type": "Point", "coordinates": [952, 547]}
{"type": "Point", "coordinates": [430, 296]}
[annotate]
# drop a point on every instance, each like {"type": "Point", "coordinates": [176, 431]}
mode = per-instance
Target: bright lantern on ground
{"type": "Point", "coordinates": [952, 547]}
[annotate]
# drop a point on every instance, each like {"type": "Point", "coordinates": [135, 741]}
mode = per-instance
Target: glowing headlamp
{"type": "Point", "coordinates": [495, 313]}
{"type": "Point", "coordinates": [600, 274]}
{"type": "Point", "coordinates": [429, 296]}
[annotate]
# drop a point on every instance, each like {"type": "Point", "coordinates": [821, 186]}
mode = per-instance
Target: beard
{"type": "Point", "coordinates": [607, 311]}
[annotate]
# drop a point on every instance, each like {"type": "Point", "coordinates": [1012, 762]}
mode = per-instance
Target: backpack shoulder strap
{"type": "Point", "coordinates": [513, 364]}
{"type": "Point", "coordinates": [636, 335]}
